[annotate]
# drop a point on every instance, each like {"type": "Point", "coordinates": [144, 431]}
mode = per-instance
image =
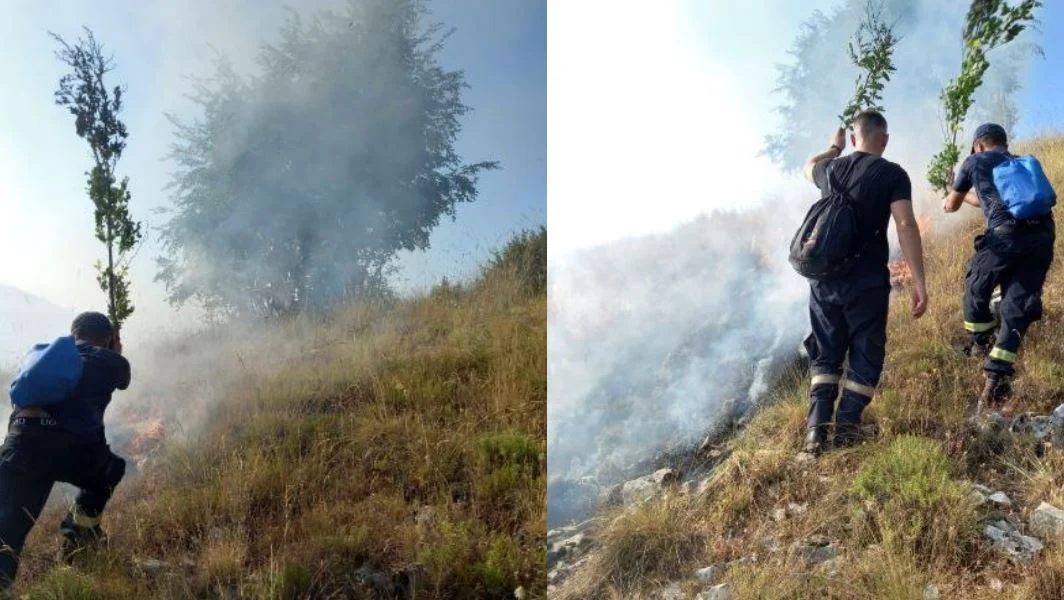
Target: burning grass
{"type": "Point", "coordinates": [897, 505]}
{"type": "Point", "coordinates": [405, 449]}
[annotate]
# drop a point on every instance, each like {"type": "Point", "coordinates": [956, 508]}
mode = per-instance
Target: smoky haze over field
{"type": "Point", "coordinates": [654, 340]}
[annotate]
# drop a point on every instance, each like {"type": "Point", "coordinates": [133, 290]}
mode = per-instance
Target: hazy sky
{"type": "Point", "coordinates": [48, 246]}
{"type": "Point", "coordinates": [660, 118]}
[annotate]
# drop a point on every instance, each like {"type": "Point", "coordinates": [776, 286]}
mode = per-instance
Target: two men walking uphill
{"type": "Point", "coordinates": [56, 434]}
{"type": "Point", "coordinates": [1015, 253]}
{"type": "Point", "coordinates": [842, 248]}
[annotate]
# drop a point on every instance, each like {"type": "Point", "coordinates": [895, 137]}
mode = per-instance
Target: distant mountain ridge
{"type": "Point", "coordinates": [26, 319]}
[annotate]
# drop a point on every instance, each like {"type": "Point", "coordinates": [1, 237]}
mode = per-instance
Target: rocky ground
{"type": "Point", "coordinates": [572, 546]}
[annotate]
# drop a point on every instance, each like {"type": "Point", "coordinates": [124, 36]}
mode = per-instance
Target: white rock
{"type": "Point", "coordinates": [718, 592]}
{"type": "Point", "coordinates": [931, 592]}
{"type": "Point", "coordinates": [709, 575]}
{"type": "Point", "coordinates": [797, 509]}
{"type": "Point", "coordinates": [1000, 498]}
{"type": "Point", "coordinates": [674, 591]}
{"type": "Point", "coordinates": [779, 514]}
{"type": "Point", "coordinates": [982, 489]}
{"type": "Point", "coordinates": [996, 584]}
{"type": "Point", "coordinates": [520, 593]}
{"type": "Point", "coordinates": [648, 486]}
{"type": "Point", "coordinates": [978, 498]}
{"type": "Point", "coordinates": [1047, 521]}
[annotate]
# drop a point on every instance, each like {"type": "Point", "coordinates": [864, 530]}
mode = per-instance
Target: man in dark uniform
{"type": "Point", "coordinates": [1015, 255]}
{"type": "Point", "coordinates": [848, 314]}
{"type": "Point", "coordinates": [65, 443]}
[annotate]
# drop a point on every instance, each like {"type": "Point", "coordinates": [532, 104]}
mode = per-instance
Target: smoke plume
{"type": "Point", "coordinates": [654, 341]}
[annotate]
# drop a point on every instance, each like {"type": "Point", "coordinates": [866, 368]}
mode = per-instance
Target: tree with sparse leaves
{"type": "Point", "coordinates": [989, 25]}
{"type": "Point", "coordinates": [95, 109]}
{"type": "Point", "coordinates": [870, 51]}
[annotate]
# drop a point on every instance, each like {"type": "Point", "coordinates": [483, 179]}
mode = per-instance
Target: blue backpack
{"type": "Point", "coordinates": [1024, 188]}
{"type": "Point", "coordinates": [48, 374]}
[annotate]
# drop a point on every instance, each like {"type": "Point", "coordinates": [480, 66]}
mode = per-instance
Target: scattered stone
{"type": "Point", "coordinates": [709, 575]}
{"type": "Point", "coordinates": [1057, 418]}
{"type": "Point", "coordinates": [931, 592]}
{"type": "Point", "coordinates": [1000, 499]}
{"type": "Point", "coordinates": [520, 593]}
{"type": "Point", "coordinates": [797, 509]}
{"type": "Point", "coordinates": [718, 592]}
{"type": "Point", "coordinates": [978, 498]}
{"type": "Point", "coordinates": [779, 514]}
{"type": "Point", "coordinates": [982, 489]}
{"type": "Point", "coordinates": [152, 566]}
{"type": "Point", "coordinates": [611, 496]}
{"type": "Point", "coordinates": [804, 458]}
{"type": "Point", "coordinates": [1017, 547]}
{"type": "Point", "coordinates": [1040, 426]}
{"type": "Point", "coordinates": [1004, 525]}
{"type": "Point", "coordinates": [646, 487]}
{"type": "Point", "coordinates": [996, 584]}
{"type": "Point", "coordinates": [674, 591]}
{"type": "Point", "coordinates": [816, 550]}
{"type": "Point", "coordinates": [1047, 521]}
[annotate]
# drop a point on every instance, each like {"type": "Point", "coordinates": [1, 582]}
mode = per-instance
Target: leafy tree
{"type": "Point", "coordinates": [95, 108]}
{"type": "Point", "coordinates": [812, 84]}
{"type": "Point", "coordinates": [870, 50]}
{"type": "Point", "coordinates": [989, 24]}
{"type": "Point", "coordinates": [299, 184]}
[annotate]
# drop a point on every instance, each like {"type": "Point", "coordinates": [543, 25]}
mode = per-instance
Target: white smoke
{"type": "Point", "coordinates": [654, 339]}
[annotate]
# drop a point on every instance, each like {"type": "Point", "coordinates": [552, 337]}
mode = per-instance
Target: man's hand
{"type": "Point", "coordinates": [839, 140]}
{"type": "Point", "coordinates": [919, 294]}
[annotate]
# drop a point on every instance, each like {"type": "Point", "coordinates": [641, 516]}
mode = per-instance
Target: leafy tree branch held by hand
{"type": "Point", "coordinates": [870, 50]}
{"type": "Point", "coordinates": [989, 25]}
{"type": "Point", "coordinates": [95, 108]}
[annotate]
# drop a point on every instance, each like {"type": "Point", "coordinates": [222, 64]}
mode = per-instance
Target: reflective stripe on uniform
{"type": "Point", "coordinates": [82, 520]}
{"type": "Point", "coordinates": [865, 390]}
{"type": "Point", "coordinates": [826, 379]}
{"type": "Point", "coordinates": [979, 327]}
{"type": "Point", "coordinates": [1003, 355]}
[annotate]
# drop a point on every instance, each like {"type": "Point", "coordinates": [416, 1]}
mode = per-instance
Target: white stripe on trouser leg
{"type": "Point", "coordinates": [81, 519]}
{"type": "Point", "coordinates": [865, 390]}
{"type": "Point", "coordinates": [826, 379]}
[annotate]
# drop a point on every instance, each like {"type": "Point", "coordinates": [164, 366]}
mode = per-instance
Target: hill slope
{"type": "Point", "coordinates": [393, 449]}
{"type": "Point", "coordinates": [896, 512]}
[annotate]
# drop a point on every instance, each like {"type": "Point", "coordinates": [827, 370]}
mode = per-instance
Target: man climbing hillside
{"type": "Point", "coordinates": [63, 442]}
{"type": "Point", "coordinates": [1014, 252]}
{"type": "Point", "coordinates": [848, 313]}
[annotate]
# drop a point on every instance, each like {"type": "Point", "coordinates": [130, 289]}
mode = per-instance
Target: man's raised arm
{"type": "Point", "coordinates": [838, 142]}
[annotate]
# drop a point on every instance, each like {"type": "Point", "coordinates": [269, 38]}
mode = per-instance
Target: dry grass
{"type": "Point", "coordinates": [896, 505]}
{"type": "Point", "coordinates": [434, 406]}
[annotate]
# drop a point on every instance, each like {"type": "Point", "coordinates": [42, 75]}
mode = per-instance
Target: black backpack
{"type": "Point", "coordinates": [829, 242]}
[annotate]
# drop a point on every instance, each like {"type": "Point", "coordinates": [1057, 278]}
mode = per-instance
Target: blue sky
{"type": "Point", "coordinates": [48, 244]}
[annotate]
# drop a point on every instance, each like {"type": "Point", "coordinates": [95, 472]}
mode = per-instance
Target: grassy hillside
{"type": "Point", "coordinates": [404, 456]}
{"type": "Point", "coordinates": [897, 506]}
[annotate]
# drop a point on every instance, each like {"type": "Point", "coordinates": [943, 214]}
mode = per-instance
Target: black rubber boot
{"type": "Point", "coordinates": [816, 439]}
{"type": "Point", "coordinates": [848, 419]}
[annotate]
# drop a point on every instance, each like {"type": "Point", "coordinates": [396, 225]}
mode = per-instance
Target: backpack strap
{"type": "Point", "coordinates": [850, 178]}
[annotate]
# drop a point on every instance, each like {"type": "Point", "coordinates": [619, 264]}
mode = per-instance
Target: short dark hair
{"type": "Point", "coordinates": [91, 326]}
{"type": "Point", "coordinates": [994, 138]}
{"type": "Point", "coordinates": [868, 121]}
